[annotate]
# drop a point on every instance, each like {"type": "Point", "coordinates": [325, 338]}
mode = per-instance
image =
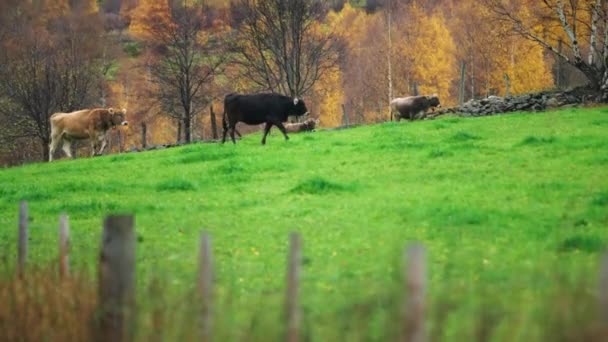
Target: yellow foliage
{"type": "Point", "coordinates": [425, 48]}
{"type": "Point", "coordinates": [350, 23]}
{"type": "Point", "coordinates": [54, 9]}
{"type": "Point", "coordinates": [329, 90]}
{"type": "Point", "coordinates": [146, 13]}
{"type": "Point", "coordinates": [489, 54]}
{"type": "Point", "coordinates": [355, 28]}
{"type": "Point", "coordinates": [91, 6]}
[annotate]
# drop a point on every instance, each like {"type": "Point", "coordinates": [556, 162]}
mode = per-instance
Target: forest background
{"type": "Point", "coordinates": [64, 55]}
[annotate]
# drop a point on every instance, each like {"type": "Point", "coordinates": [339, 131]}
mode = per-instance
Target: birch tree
{"type": "Point", "coordinates": [584, 23]}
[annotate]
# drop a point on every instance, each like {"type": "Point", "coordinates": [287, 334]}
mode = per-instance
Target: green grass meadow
{"type": "Point", "coordinates": [513, 210]}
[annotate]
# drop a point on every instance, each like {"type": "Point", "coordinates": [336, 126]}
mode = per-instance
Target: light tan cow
{"type": "Point", "coordinates": [413, 107]}
{"type": "Point", "coordinates": [306, 126]}
{"type": "Point", "coordinates": [92, 124]}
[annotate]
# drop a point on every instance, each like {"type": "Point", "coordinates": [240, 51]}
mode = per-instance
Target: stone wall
{"type": "Point", "coordinates": [528, 102]}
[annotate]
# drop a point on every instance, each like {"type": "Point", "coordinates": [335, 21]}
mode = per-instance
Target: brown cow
{"type": "Point", "coordinates": [413, 107]}
{"type": "Point", "coordinates": [92, 124]}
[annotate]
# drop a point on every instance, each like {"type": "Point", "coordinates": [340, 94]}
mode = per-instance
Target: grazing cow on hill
{"type": "Point", "coordinates": [268, 108]}
{"type": "Point", "coordinates": [92, 124]}
{"type": "Point", "coordinates": [414, 107]}
{"type": "Point", "coordinates": [306, 126]}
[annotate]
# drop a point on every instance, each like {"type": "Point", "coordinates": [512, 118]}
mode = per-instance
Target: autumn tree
{"type": "Point", "coordinates": [188, 61]}
{"type": "Point", "coordinates": [489, 54]}
{"type": "Point", "coordinates": [147, 17]}
{"type": "Point", "coordinates": [281, 46]}
{"type": "Point", "coordinates": [362, 70]}
{"type": "Point", "coordinates": [583, 24]}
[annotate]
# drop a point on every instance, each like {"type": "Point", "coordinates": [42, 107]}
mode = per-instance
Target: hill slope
{"type": "Point", "coordinates": [498, 201]}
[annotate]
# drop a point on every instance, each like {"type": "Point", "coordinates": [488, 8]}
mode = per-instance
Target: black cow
{"type": "Point", "coordinates": [269, 108]}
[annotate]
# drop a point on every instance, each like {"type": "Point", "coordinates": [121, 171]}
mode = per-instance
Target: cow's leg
{"type": "Point", "coordinates": [420, 115]}
{"type": "Point", "coordinates": [232, 130]}
{"type": "Point", "coordinates": [224, 134]}
{"type": "Point", "coordinates": [104, 142]}
{"type": "Point", "coordinates": [266, 130]}
{"type": "Point", "coordinates": [67, 148]}
{"type": "Point", "coordinates": [93, 146]}
{"type": "Point", "coordinates": [282, 128]}
{"type": "Point", "coordinates": [55, 140]}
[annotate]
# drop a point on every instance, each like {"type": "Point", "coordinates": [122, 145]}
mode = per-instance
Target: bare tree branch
{"type": "Point", "coordinates": [185, 66]}
{"type": "Point", "coordinates": [278, 47]}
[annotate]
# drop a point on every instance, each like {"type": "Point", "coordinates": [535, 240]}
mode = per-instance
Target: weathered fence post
{"type": "Point", "coordinates": [345, 120]}
{"type": "Point", "coordinates": [205, 286]}
{"type": "Point", "coordinates": [603, 292]}
{"type": "Point", "coordinates": [414, 88]}
{"type": "Point", "coordinates": [64, 243]}
{"type": "Point", "coordinates": [507, 85]}
{"type": "Point", "coordinates": [463, 68]}
{"type": "Point", "coordinates": [117, 279]}
{"type": "Point", "coordinates": [415, 287]}
{"type": "Point", "coordinates": [292, 302]}
{"type": "Point", "coordinates": [213, 122]}
{"type": "Point", "coordinates": [144, 131]}
{"type": "Point", "coordinates": [22, 242]}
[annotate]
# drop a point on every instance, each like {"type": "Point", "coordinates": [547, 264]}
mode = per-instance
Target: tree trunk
{"type": "Point", "coordinates": [604, 87]}
{"type": "Point", "coordinates": [187, 129]}
{"type": "Point", "coordinates": [388, 60]}
{"type": "Point", "coordinates": [179, 132]}
{"type": "Point", "coordinates": [45, 149]}
{"type": "Point", "coordinates": [592, 74]}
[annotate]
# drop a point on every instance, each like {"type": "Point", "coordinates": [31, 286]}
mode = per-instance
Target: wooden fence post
{"type": "Point", "coordinates": [414, 87]}
{"type": "Point", "coordinates": [144, 131]}
{"type": "Point", "coordinates": [205, 286]}
{"type": "Point", "coordinates": [345, 120]}
{"type": "Point", "coordinates": [603, 292]}
{"type": "Point", "coordinates": [507, 85]}
{"type": "Point", "coordinates": [292, 302]}
{"type": "Point", "coordinates": [64, 243]}
{"type": "Point", "coordinates": [117, 279]}
{"type": "Point", "coordinates": [415, 287]}
{"type": "Point", "coordinates": [213, 122]}
{"type": "Point", "coordinates": [22, 242]}
{"type": "Point", "coordinates": [463, 68]}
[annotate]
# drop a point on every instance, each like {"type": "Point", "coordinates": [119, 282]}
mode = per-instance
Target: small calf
{"type": "Point", "coordinates": [308, 125]}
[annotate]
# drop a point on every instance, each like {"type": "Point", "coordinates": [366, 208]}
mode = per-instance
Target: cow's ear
{"type": "Point", "coordinates": [295, 101]}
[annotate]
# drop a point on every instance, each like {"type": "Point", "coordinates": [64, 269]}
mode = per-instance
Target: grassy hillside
{"type": "Point", "coordinates": [511, 208]}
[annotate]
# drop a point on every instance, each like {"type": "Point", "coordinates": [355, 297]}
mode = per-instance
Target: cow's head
{"type": "Point", "coordinates": [434, 101]}
{"type": "Point", "coordinates": [299, 107]}
{"type": "Point", "coordinates": [118, 117]}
